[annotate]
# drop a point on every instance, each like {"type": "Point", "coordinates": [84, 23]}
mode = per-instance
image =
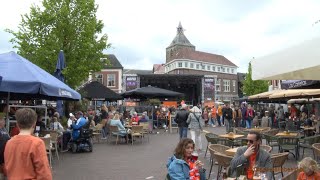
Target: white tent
{"type": "Point", "coordinates": [300, 62]}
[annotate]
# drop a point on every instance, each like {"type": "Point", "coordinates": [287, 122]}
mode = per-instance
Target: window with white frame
{"type": "Point", "coordinates": [203, 67]}
{"type": "Point", "coordinates": [213, 68]}
{"type": "Point", "coordinates": [208, 67]}
{"type": "Point", "coordinates": [179, 64]}
{"type": "Point", "coordinates": [197, 66]}
{"type": "Point", "coordinates": [232, 71]}
{"type": "Point", "coordinates": [218, 69]}
{"type": "Point", "coordinates": [99, 78]}
{"type": "Point", "coordinates": [223, 69]}
{"type": "Point", "coordinates": [227, 70]}
{"type": "Point", "coordinates": [186, 64]}
{"type": "Point", "coordinates": [234, 85]}
{"type": "Point", "coordinates": [191, 65]}
{"type": "Point", "coordinates": [111, 78]}
{"type": "Point", "coordinates": [226, 85]}
{"type": "Point", "coordinates": [218, 85]}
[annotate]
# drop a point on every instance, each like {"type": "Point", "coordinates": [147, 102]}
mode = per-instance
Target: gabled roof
{"type": "Point", "coordinates": [113, 62]}
{"type": "Point", "coordinates": [158, 69]}
{"type": "Point", "coordinates": [136, 71]}
{"type": "Point", "coordinates": [202, 56]}
{"type": "Point", "coordinates": [180, 38]}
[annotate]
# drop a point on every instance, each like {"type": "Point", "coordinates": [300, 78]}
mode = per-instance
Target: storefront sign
{"type": "Point", "coordinates": [131, 83]}
{"type": "Point", "coordinates": [209, 89]}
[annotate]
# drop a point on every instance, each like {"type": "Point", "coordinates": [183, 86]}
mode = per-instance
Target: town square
{"type": "Point", "coordinates": [174, 90]}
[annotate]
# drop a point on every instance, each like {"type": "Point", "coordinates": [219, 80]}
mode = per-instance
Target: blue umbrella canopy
{"type": "Point", "coordinates": [24, 78]}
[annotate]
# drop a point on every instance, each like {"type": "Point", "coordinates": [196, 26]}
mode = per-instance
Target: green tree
{"type": "Point", "coordinates": [68, 25]}
{"type": "Point", "coordinates": [251, 87]}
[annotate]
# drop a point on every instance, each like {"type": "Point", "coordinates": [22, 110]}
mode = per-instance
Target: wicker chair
{"type": "Point", "coordinates": [277, 162]}
{"type": "Point", "coordinates": [266, 148]}
{"type": "Point", "coordinates": [216, 148]}
{"type": "Point", "coordinates": [316, 150]}
{"type": "Point", "coordinates": [293, 175]}
{"type": "Point", "coordinates": [114, 131]}
{"type": "Point", "coordinates": [223, 162]}
{"type": "Point", "coordinates": [211, 139]}
{"type": "Point", "coordinates": [307, 143]}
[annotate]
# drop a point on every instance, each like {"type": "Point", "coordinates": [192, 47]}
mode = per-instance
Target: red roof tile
{"type": "Point", "coordinates": [202, 56]}
{"type": "Point", "coordinates": [158, 69]}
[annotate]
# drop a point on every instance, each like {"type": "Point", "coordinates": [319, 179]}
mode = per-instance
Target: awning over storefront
{"type": "Point", "coordinates": [293, 84]}
{"type": "Point", "coordinates": [300, 62]}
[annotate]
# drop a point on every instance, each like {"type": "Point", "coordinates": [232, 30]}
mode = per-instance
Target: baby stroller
{"type": "Point", "coordinates": [83, 142]}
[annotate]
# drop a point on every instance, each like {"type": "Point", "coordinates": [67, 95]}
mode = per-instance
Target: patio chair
{"type": "Point", "coordinates": [145, 129]}
{"type": "Point", "coordinates": [278, 161]}
{"type": "Point", "coordinates": [136, 131]}
{"type": "Point", "coordinates": [216, 148]}
{"type": "Point", "coordinates": [307, 143]}
{"type": "Point", "coordinates": [266, 148]}
{"type": "Point", "coordinates": [293, 175]}
{"type": "Point", "coordinates": [316, 150]}
{"type": "Point", "coordinates": [114, 131]}
{"type": "Point", "coordinates": [211, 139]}
{"type": "Point", "coordinates": [223, 162]}
{"type": "Point", "coordinates": [47, 144]}
{"type": "Point", "coordinates": [54, 137]}
{"type": "Point", "coordinates": [225, 141]}
{"type": "Point", "coordinates": [97, 132]}
{"type": "Point", "coordinates": [289, 144]}
{"type": "Point", "coordinates": [271, 140]}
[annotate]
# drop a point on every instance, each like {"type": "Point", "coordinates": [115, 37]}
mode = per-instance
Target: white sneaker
{"type": "Point", "coordinates": [103, 138]}
{"type": "Point", "coordinates": [214, 126]}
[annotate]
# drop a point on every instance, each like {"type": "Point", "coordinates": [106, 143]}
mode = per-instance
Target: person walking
{"type": "Point", "coordinates": [249, 116]}
{"type": "Point", "coordinates": [219, 115]}
{"type": "Point", "coordinates": [196, 124]}
{"type": "Point", "coordinates": [243, 113]}
{"type": "Point", "coordinates": [25, 156]}
{"type": "Point", "coordinates": [181, 120]}
{"type": "Point", "coordinates": [237, 116]}
{"type": "Point", "coordinates": [227, 114]}
{"type": "Point", "coordinates": [213, 116]}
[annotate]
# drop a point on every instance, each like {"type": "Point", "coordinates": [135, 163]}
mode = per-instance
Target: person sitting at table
{"type": "Point", "coordinates": [310, 168]}
{"type": "Point", "coordinates": [56, 125]}
{"type": "Point", "coordinates": [135, 117]}
{"type": "Point", "coordinates": [116, 122]}
{"type": "Point", "coordinates": [40, 124]}
{"type": "Point", "coordinates": [179, 165]}
{"type": "Point", "coordinates": [144, 118]}
{"type": "Point", "coordinates": [309, 121]}
{"type": "Point", "coordinates": [252, 156]}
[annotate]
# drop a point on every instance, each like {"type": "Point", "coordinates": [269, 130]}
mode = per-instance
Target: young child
{"type": "Point", "coordinates": [27, 149]}
{"type": "Point", "coordinates": [309, 167]}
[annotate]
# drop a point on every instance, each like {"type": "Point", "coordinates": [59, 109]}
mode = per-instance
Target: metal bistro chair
{"type": "Point", "coordinates": [145, 129]}
{"type": "Point", "coordinates": [278, 161]}
{"type": "Point", "coordinates": [289, 144]}
{"type": "Point", "coordinates": [307, 142]}
{"type": "Point", "coordinates": [211, 139]}
{"type": "Point", "coordinates": [136, 131]}
{"type": "Point", "coordinates": [216, 148]}
{"type": "Point", "coordinates": [114, 131]}
{"type": "Point", "coordinates": [271, 140]}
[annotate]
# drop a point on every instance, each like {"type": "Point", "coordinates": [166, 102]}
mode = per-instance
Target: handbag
{"type": "Point", "coordinates": [198, 121]}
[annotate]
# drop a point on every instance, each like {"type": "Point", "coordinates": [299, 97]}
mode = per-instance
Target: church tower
{"type": "Point", "coordinates": [179, 42]}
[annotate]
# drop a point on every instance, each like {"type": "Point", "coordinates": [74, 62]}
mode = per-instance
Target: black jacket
{"type": "Point", "coordinates": [227, 113]}
{"type": "Point", "coordinates": [181, 118]}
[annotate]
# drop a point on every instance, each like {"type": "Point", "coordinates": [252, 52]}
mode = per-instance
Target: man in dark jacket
{"type": "Point", "coordinates": [227, 113]}
{"type": "Point", "coordinates": [181, 120]}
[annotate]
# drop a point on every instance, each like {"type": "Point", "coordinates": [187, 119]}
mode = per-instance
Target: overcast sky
{"type": "Point", "coordinates": [140, 30]}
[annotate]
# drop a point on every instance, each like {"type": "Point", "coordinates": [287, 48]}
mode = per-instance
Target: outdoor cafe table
{"type": "Point", "coordinates": [231, 151]}
{"type": "Point", "coordinates": [283, 134]}
{"type": "Point", "coordinates": [231, 136]}
{"type": "Point", "coordinates": [308, 131]}
{"type": "Point", "coordinates": [256, 129]}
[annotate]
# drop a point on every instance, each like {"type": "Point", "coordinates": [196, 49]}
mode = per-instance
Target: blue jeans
{"type": "Point", "coordinates": [248, 123]}
{"type": "Point", "coordinates": [211, 121]}
{"type": "Point", "coordinates": [183, 132]}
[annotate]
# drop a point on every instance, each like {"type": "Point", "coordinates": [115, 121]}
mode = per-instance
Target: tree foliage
{"type": "Point", "coordinates": [68, 25]}
{"type": "Point", "coordinates": [251, 87]}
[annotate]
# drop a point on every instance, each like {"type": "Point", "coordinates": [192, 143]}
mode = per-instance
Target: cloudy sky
{"type": "Point", "coordinates": [140, 30]}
